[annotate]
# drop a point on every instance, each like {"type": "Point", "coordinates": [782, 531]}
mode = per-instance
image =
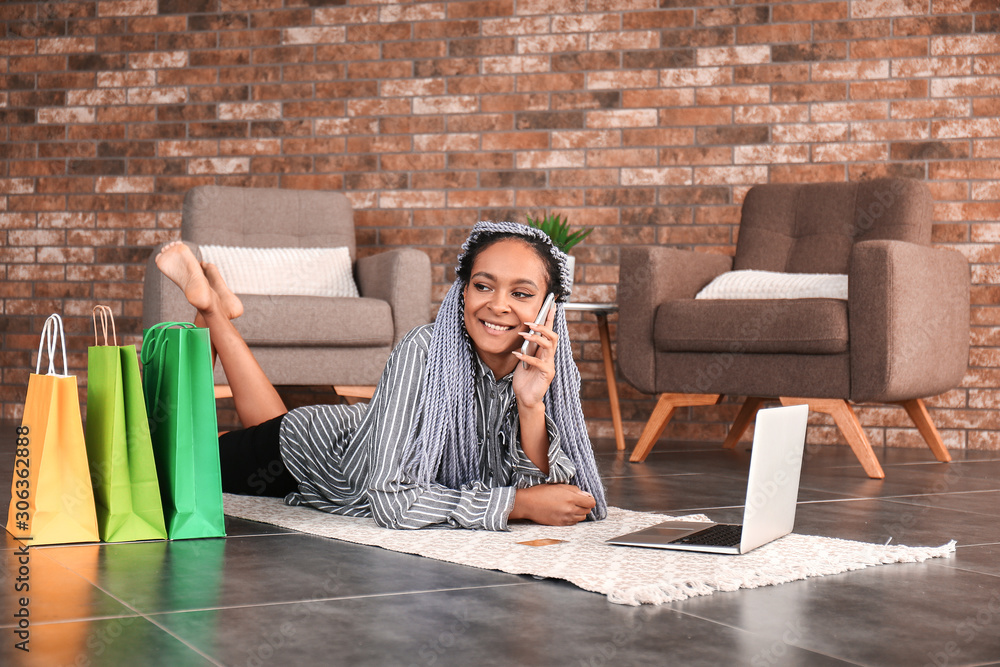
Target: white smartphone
{"type": "Point", "coordinates": [543, 313]}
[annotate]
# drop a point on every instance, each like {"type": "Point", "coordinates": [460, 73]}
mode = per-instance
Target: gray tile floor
{"type": "Point", "coordinates": [265, 596]}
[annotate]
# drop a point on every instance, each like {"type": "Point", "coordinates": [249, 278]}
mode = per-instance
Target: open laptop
{"type": "Point", "coordinates": [772, 489]}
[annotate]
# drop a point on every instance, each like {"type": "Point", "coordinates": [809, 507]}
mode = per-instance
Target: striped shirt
{"type": "Point", "coordinates": [348, 458]}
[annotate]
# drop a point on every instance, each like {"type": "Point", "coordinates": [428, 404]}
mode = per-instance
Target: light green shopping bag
{"type": "Point", "coordinates": [119, 447]}
{"type": "Point", "coordinates": [180, 403]}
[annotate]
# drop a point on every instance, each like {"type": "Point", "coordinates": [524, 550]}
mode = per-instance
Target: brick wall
{"type": "Point", "coordinates": [648, 119]}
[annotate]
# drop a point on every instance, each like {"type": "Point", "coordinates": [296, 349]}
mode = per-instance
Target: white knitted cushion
{"type": "Point", "coordinates": [773, 285]}
{"type": "Point", "coordinates": [284, 271]}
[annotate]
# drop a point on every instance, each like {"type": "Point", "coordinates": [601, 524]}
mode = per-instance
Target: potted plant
{"type": "Point", "coordinates": [558, 229]}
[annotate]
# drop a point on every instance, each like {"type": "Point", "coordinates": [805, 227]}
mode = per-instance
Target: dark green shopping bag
{"type": "Point", "coordinates": [119, 447]}
{"type": "Point", "coordinates": [180, 402]}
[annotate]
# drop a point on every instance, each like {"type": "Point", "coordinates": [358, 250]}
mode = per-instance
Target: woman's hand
{"type": "Point", "coordinates": [552, 504]}
{"type": "Point", "coordinates": [531, 383]}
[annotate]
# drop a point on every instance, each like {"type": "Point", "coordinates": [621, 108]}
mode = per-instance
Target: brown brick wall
{"type": "Point", "coordinates": [648, 119]}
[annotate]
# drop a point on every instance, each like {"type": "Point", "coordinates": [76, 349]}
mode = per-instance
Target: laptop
{"type": "Point", "coordinates": [772, 489]}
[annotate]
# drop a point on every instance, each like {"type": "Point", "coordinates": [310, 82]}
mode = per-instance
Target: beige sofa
{"type": "Point", "coordinates": [902, 334]}
{"type": "Point", "coordinates": [302, 340]}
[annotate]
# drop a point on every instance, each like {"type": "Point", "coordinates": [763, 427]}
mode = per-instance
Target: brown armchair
{"type": "Point", "coordinates": [901, 335]}
{"type": "Point", "coordinates": [302, 340]}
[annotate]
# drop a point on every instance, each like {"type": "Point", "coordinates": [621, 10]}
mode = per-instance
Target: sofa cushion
{"type": "Point", "coordinates": [285, 321]}
{"type": "Point", "coordinates": [812, 375]}
{"type": "Point", "coordinates": [775, 285]}
{"type": "Point", "coordinates": [772, 326]}
{"type": "Point", "coordinates": [284, 271]}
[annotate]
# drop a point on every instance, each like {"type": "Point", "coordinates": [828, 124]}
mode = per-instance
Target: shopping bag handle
{"type": "Point", "coordinates": [53, 328]}
{"type": "Point", "coordinates": [106, 314]}
{"type": "Point", "coordinates": [154, 344]}
{"type": "Point", "coordinates": [153, 339]}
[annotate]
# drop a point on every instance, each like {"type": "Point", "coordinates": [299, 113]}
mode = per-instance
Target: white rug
{"type": "Point", "coordinates": [626, 575]}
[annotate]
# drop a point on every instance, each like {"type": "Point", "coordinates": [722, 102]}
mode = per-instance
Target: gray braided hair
{"type": "Point", "coordinates": [438, 449]}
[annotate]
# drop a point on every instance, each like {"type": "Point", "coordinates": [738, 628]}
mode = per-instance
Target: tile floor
{"type": "Point", "coordinates": [264, 596]}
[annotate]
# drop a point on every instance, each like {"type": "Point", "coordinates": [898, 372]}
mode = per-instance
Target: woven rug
{"type": "Point", "coordinates": [625, 575]}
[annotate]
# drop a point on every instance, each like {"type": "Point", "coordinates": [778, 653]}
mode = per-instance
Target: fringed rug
{"type": "Point", "coordinates": [625, 575]}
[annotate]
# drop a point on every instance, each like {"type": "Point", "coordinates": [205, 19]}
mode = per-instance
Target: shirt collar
{"type": "Point", "coordinates": [484, 371]}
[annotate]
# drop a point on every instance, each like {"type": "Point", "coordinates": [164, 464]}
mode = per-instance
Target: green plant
{"type": "Point", "coordinates": [557, 227]}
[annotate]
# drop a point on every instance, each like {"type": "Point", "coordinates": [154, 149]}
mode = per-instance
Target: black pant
{"type": "Point", "coordinates": [251, 461]}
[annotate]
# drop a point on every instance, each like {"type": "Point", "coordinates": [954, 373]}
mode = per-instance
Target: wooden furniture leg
{"type": "Point", "coordinates": [743, 420]}
{"type": "Point", "coordinates": [609, 375]}
{"type": "Point", "coordinates": [922, 419]}
{"type": "Point", "coordinates": [354, 393]}
{"type": "Point", "coordinates": [664, 410]}
{"type": "Point", "coordinates": [351, 393]}
{"type": "Point", "coordinates": [849, 425]}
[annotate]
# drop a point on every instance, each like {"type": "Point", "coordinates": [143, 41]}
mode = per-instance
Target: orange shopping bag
{"type": "Point", "coordinates": [52, 501]}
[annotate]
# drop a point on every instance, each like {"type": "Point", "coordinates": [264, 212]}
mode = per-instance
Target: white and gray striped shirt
{"type": "Point", "coordinates": [348, 459]}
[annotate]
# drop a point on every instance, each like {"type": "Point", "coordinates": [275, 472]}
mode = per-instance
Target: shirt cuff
{"type": "Point", "coordinates": [501, 505]}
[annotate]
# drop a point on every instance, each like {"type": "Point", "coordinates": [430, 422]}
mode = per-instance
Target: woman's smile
{"type": "Point", "coordinates": [498, 328]}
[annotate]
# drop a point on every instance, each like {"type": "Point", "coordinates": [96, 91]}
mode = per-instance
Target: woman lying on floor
{"type": "Point", "coordinates": [462, 429]}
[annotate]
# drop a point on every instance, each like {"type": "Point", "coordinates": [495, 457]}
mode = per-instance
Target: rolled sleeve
{"type": "Point", "coordinates": [475, 506]}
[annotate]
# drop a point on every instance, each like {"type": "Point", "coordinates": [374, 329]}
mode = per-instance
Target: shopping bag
{"type": "Point", "coordinates": [119, 447]}
{"type": "Point", "coordinates": [180, 404]}
{"type": "Point", "coordinates": [51, 501]}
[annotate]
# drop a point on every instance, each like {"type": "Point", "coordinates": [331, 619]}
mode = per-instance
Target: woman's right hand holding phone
{"type": "Point", "coordinates": [534, 374]}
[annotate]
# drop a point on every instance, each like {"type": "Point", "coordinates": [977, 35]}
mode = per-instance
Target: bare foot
{"type": "Point", "coordinates": [178, 263]}
{"type": "Point", "coordinates": [231, 304]}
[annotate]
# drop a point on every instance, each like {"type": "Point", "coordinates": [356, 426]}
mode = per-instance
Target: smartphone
{"type": "Point", "coordinates": [543, 313]}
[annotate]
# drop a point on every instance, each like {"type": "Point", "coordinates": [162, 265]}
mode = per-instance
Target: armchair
{"type": "Point", "coordinates": [302, 340]}
{"type": "Point", "coordinates": [901, 335]}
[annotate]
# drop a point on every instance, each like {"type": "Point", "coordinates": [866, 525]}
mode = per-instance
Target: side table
{"type": "Point", "coordinates": [601, 310]}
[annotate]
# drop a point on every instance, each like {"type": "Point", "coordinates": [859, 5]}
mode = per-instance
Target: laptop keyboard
{"type": "Point", "coordinates": [719, 535]}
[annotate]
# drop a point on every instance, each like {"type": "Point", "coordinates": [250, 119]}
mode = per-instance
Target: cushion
{"type": "Point", "coordinates": [284, 271]}
{"type": "Point", "coordinates": [305, 321]}
{"type": "Point", "coordinates": [774, 285]}
{"type": "Point", "coordinates": [812, 375]}
{"type": "Point", "coordinates": [738, 326]}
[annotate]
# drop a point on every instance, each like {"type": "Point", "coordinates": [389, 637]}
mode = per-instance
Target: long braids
{"type": "Point", "coordinates": [447, 413]}
{"type": "Point", "coordinates": [441, 448]}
